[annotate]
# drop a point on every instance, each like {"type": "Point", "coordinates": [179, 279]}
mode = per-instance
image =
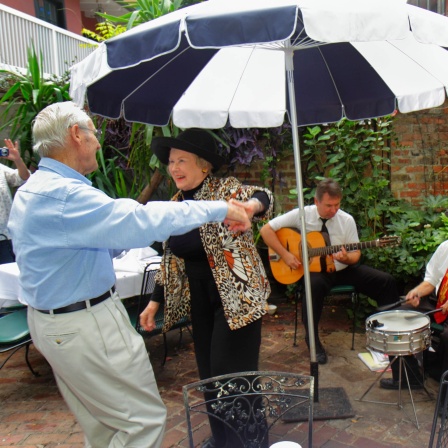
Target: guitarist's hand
{"type": "Point", "coordinates": [347, 257]}
{"type": "Point", "coordinates": [291, 260]}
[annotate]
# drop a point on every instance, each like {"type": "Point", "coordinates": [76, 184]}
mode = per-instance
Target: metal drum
{"type": "Point", "coordinates": [398, 332]}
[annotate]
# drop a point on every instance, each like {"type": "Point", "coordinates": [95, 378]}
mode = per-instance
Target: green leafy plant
{"type": "Point", "coordinates": [26, 96]}
{"type": "Point", "coordinates": [112, 179]}
{"type": "Point", "coordinates": [421, 231]}
{"type": "Point", "coordinates": [104, 30]}
{"type": "Point", "coordinates": [141, 11]}
{"type": "Point", "coordinates": [356, 154]}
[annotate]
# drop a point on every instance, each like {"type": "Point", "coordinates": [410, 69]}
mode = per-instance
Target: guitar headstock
{"type": "Point", "coordinates": [389, 241]}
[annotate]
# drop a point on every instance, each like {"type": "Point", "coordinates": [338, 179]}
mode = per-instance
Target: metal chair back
{"type": "Point", "coordinates": [250, 404]}
{"type": "Point", "coordinates": [148, 284]}
{"type": "Point", "coordinates": [439, 431]}
{"type": "Point", "coordinates": [15, 334]}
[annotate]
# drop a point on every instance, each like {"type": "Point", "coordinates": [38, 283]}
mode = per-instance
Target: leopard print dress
{"type": "Point", "coordinates": [235, 263]}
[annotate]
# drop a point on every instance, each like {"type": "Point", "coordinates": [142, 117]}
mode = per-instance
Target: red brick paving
{"type": "Point", "coordinates": [33, 414]}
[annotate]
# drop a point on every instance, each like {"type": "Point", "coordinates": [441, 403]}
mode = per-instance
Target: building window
{"type": "Point", "coordinates": [438, 6]}
{"type": "Point", "coordinates": [52, 11]}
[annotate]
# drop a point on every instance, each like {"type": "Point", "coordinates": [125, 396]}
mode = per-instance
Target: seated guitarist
{"type": "Point", "coordinates": [341, 230]}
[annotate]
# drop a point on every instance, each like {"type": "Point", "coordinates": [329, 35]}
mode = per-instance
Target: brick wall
{"type": "Point", "coordinates": [419, 161]}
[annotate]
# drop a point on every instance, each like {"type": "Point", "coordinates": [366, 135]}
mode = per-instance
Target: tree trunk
{"type": "Point", "coordinates": [150, 188]}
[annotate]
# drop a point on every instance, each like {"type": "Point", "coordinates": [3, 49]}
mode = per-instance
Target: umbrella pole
{"type": "Point", "coordinates": [314, 366]}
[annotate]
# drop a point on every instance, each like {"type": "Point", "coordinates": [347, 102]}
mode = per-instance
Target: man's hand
{"type": "Point", "coordinates": [445, 307]}
{"type": "Point", "coordinates": [413, 297]}
{"type": "Point", "coordinates": [341, 256]}
{"type": "Point", "coordinates": [423, 289]}
{"type": "Point", "coordinates": [291, 260]}
{"type": "Point", "coordinates": [236, 218]}
{"type": "Point", "coordinates": [252, 207]}
{"type": "Point", "coordinates": [347, 258]}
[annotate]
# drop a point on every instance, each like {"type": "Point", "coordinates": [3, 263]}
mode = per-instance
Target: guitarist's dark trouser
{"type": "Point", "coordinates": [376, 284]}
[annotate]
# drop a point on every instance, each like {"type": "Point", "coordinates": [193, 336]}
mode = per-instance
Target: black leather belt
{"type": "Point", "coordinates": [79, 305]}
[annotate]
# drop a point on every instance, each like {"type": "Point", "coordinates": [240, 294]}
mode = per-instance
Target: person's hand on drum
{"type": "Point", "coordinates": [413, 297]}
{"type": "Point", "coordinates": [445, 307]}
{"type": "Point", "coordinates": [423, 289]}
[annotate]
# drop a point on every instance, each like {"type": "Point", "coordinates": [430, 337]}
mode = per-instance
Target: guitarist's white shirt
{"type": "Point", "coordinates": [341, 228]}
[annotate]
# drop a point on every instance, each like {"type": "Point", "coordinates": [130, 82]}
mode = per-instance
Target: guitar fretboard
{"type": "Point", "coordinates": [328, 250]}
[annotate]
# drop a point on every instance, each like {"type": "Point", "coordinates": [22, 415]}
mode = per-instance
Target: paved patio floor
{"type": "Point", "coordinates": [33, 414]}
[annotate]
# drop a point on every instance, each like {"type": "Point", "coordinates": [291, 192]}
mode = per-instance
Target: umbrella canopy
{"type": "Point", "coordinates": [225, 60]}
{"type": "Point", "coordinates": [255, 62]}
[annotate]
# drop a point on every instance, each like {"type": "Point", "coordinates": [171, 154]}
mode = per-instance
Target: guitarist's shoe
{"type": "Point", "coordinates": [321, 354]}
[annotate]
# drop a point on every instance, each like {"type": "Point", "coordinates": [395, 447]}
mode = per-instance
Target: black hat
{"type": "Point", "coordinates": [196, 141]}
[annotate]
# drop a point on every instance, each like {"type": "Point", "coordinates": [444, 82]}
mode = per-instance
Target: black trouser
{"type": "Point", "coordinates": [218, 349]}
{"type": "Point", "coordinates": [375, 284]}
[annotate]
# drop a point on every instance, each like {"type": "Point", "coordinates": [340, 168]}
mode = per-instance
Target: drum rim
{"type": "Point", "coordinates": [390, 312]}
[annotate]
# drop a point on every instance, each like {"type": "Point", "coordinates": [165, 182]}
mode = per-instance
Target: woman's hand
{"type": "Point", "coordinates": [252, 206]}
{"type": "Point", "coordinates": [236, 218]}
{"type": "Point", "coordinates": [14, 153]}
{"type": "Point", "coordinates": [14, 156]}
{"type": "Point", "coordinates": [147, 318]}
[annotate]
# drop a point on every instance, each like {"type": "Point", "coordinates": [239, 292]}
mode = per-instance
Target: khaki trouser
{"type": "Point", "coordinates": [104, 374]}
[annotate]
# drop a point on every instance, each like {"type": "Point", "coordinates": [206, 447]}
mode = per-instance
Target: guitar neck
{"type": "Point", "coordinates": [328, 250]}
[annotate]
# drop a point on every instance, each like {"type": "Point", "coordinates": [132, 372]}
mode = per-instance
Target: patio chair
{"type": "Point", "coordinates": [439, 431]}
{"type": "Point", "coordinates": [148, 284]}
{"type": "Point", "coordinates": [250, 404]}
{"type": "Point", "coordinates": [15, 334]}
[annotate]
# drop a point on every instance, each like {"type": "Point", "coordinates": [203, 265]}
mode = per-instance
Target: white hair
{"type": "Point", "coordinates": [51, 125]}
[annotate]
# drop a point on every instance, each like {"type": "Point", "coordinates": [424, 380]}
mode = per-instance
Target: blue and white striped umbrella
{"type": "Point", "coordinates": [256, 63]}
{"type": "Point", "coordinates": [228, 60]}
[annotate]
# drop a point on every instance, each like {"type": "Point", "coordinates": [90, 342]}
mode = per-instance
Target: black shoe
{"type": "Point", "coordinates": [321, 355]}
{"type": "Point", "coordinates": [391, 384]}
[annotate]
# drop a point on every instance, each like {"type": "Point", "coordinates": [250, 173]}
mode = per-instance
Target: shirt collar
{"type": "Point", "coordinates": [49, 164]}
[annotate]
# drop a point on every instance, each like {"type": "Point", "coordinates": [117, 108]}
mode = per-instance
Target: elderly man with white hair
{"type": "Point", "coordinates": [65, 233]}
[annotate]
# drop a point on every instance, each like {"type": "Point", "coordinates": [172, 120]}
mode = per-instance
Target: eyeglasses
{"type": "Point", "coordinates": [97, 132]}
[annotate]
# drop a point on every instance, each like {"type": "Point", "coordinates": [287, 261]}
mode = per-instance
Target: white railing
{"type": "Point", "coordinates": [60, 48]}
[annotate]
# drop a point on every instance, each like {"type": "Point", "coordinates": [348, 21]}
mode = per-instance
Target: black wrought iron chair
{"type": "Point", "coordinates": [148, 284]}
{"type": "Point", "coordinates": [439, 431]}
{"type": "Point", "coordinates": [250, 404]}
{"type": "Point", "coordinates": [15, 334]}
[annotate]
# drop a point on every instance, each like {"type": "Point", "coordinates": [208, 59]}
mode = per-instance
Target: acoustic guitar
{"type": "Point", "coordinates": [319, 253]}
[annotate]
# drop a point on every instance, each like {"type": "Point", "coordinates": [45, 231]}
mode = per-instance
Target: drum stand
{"type": "Point", "coordinates": [399, 403]}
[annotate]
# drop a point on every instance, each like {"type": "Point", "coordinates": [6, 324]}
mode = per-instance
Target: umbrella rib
{"type": "Point", "coordinates": [302, 40]}
{"type": "Point", "coordinates": [416, 62]}
{"type": "Point", "coordinates": [155, 73]}
{"type": "Point", "coordinates": [332, 80]}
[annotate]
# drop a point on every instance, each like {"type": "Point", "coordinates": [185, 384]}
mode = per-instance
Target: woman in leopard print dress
{"type": "Point", "coordinates": [211, 274]}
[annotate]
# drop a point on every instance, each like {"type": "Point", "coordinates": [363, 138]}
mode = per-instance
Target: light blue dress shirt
{"type": "Point", "coordinates": [65, 233]}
